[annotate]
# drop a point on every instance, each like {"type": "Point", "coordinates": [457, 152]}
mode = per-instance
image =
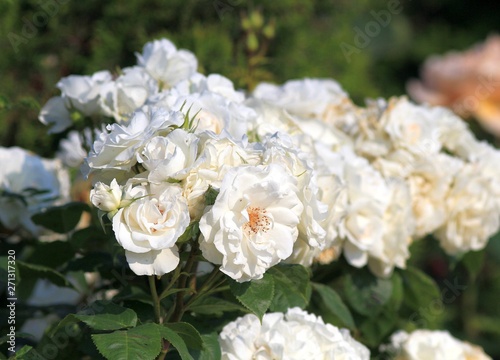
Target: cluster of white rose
{"type": "Point", "coordinates": [294, 173]}
{"type": "Point", "coordinates": [431, 345]}
{"type": "Point", "coordinates": [294, 335]}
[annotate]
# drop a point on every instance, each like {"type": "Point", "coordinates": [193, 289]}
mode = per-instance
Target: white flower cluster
{"type": "Point", "coordinates": [29, 184]}
{"type": "Point", "coordinates": [294, 335]}
{"type": "Point", "coordinates": [431, 345]}
{"type": "Point", "coordinates": [407, 171]}
{"type": "Point", "coordinates": [292, 173]}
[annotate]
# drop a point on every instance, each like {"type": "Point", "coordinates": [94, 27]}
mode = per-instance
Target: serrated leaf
{"type": "Point", "coordinates": [110, 316]}
{"type": "Point", "coordinates": [419, 289]}
{"type": "Point", "coordinates": [191, 336]}
{"type": "Point", "coordinates": [292, 287]}
{"type": "Point", "coordinates": [42, 272]}
{"type": "Point", "coordinates": [255, 295]}
{"type": "Point", "coordinates": [177, 341]}
{"type": "Point", "coordinates": [366, 293]}
{"type": "Point", "coordinates": [333, 302]}
{"type": "Point", "coordinates": [61, 219]}
{"type": "Point", "coordinates": [211, 348]}
{"type": "Point", "coordinates": [214, 306]}
{"type": "Point", "coordinates": [143, 342]}
{"type": "Point", "coordinates": [101, 315]}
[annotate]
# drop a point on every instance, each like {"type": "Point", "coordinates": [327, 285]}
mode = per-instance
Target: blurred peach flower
{"type": "Point", "coordinates": [467, 82]}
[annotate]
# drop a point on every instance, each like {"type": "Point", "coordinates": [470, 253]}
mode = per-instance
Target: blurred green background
{"type": "Point", "coordinates": [252, 41]}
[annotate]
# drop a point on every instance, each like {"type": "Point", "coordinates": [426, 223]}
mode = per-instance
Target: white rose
{"type": "Point", "coordinates": [123, 96]}
{"type": "Point", "coordinates": [270, 119]}
{"type": "Point", "coordinates": [214, 83]}
{"type": "Point", "coordinates": [165, 63]}
{"type": "Point", "coordinates": [433, 345]}
{"type": "Point", "coordinates": [212, 112]}
{"type": "Point", "coordinates": [399, 226]}
{"type": "Point", "coordinates": [56, 115]}
{"type": "Point", "coordinates": [218, 155]}
{"type": "Point", "coordinates": [295, 335]}
{"type": "Point", "coordinates": [472, 213]}
{"type": "Point", "coordinates": [169, 157]}
{"type": "Point", "coordinates": [487, 160]}
{"type": "Point", "coordinates": [29, 184]}
{"type": "Point", "coordinates": [71, 150]}
{"type": "Point", "coordinates": [413, 127]}
{"type": "Point", "coordinates": [253, 223]}
{"type": "Point", "coordinates": [106, 197]}
{"type": "Point", "coordinates": [149, 227]}
{"type": "Point", "coordinates": [280, 149]}
{"type": "Point", "coordinates": [306, 97]}
{"type": "Point", "coordinates": [82, 93]}
{"type": "Point", "coordinates": [429, 178]}
{"type": "Point", "coordinates": [117, 148]}
{"type": "Point", "coordinates": [368, 198]}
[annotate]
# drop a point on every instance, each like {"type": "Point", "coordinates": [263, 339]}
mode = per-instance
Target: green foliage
{"type": "Point", "coordinates": [255, 295]}
{"type": "Point", "coordinates": [292, 287]}
{"type": "Point", "coordinates": [61, 219]}
{"type": "Point", "coordinates": [366, 293]}
{"type": "Point", "coordinates": [420, 289]}
{"type": "Point", "coordinates": [334, 305]}
{"type": "Point", "coordinates": [142, 342]}
{"type": "Point", "coordinates": [211, 348]}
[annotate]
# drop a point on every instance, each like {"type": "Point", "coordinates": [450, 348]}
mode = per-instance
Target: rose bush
{"type": "Point", "coordinates": [287, 202]}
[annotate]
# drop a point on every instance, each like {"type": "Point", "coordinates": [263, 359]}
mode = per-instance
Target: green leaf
{"type": "Point", "coordinates": [210, 195]}
{"type": "Point", "coordinates": [189, 334]}
{"type": "Point", "coordinates": [366, 293]}
{"type": "Point", "coordinates": [334, 304]}
{"type": "Point", "coordinates": [210, 305]}
{"type": "Point", "coordinates": [101, 315]}
{"type": "Point", "coordinates": [211, 348]}
{"type": "Point", "coordinates": [177, 341]}
{"type": "Point", "coordinates": [255, 295]}
{"type": "Point", "coordinates": [375, 329]}
{"type": "Point", "coordinates": [27, 353]}
{"type": "Point", "coordinates": [89, 238]}
{"type": "Point", "coordinates": [420, 290]}
{"type": "Point", "coordinates": [61, 219]}
{"type": "Point", "coordinates": [105, 315]}
{"type": "Point", "coordinates": [142, 342]}
{"type": "Point", "coordinates": [42, 272]}
{"type": "Point", "coordinates": [92, 261]}
{"type": "Point", "coordinates": [292, 287]}
{"type": "Point", "coordinates": [474, 261]}
{"type": "Point", "coordinates": [397, 295]}
{"type": "Point", "coordinates": [51, 254]}
{"type": "Point", "coordinates": [192, 232]}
